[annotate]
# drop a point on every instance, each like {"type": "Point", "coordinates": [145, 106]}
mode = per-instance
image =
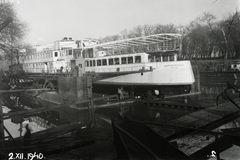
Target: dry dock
{"type": "Point", "coordinates": [193, 134]}
{"type": "Point", "coordinates": [198, 143]}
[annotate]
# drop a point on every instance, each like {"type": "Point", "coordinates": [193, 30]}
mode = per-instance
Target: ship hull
{"type": "Point", "coordinates": [163, 77]}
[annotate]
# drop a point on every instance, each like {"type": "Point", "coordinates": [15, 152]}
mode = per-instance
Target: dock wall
{"type": "Point", "coordinates": [73, 89]}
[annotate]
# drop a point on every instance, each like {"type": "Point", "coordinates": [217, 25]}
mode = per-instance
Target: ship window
{"type": "Point", "coordinates": [90, 63]}
{"type": "Point", "coordinates": [87, 63]}
{"type": "Point", "coordinates": [56, 54]}
{"type": "Point", "coordinates": [124, 60]}
{"type": "Point", "coordinates": [104, 62]}
{"type": "Point", "coordinates": [150, 58]}
{"type": "Point", "coordinates": [171, 58]}
{"type": "Point", "coordinates": [116, 60]}
{"type": "Point", "coordinates": [110, 61]}
{"type": "Point", "coordinates": [99, 63]}
{"type": "Point", "coordinates": [94, 63]}
{"type": "Point", "coordinates": [130, 60]}
{"type": "Point", "coordinates": [137, 59]}
{"type": "Point", "coordinates": [165, 58]}
{"type": "Point", "coordinates": [70, 52]}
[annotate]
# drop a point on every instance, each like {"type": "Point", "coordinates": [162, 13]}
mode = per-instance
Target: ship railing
{"type": "Point", "coordinates": [49, 72]}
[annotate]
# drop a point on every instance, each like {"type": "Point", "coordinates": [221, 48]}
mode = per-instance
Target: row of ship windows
{"type": "Point", "coordinates": [48, 55]}
{"type": "Point", "coordinates": [40, 64]}
{"type": "Point", "coordinates": [113, 61]}
{"type": "Point", "coordinates": [42, 55]}
{"type": "Point", "coordinates": [37, 64]}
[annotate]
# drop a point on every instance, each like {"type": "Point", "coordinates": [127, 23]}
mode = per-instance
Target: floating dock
{"type": "Point", "coordinates": [186, 132]}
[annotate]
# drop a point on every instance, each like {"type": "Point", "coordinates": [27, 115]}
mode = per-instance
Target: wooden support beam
{"type": "Point", "coordinates": [97, 99]}
{"type": "Point", "coordinates": [29, 112]}
{"type": "Point", "coordinates": [182, 95]}
{"type": "Point", "coordinates": [1, 121]}
{"type": "Point", "coordinates": [115, 104]}
{"type": "Point", "coordinates": [24, 90]}
{"type": "Point", "coordinates": [57, 105]}
{"type": "Point", "coordinates": [1, 113]}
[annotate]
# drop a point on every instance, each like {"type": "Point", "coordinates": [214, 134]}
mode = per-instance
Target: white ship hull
{"type": "Point", "coordinates": [162, 73]}
{"type": "Point", "coordinates": [166, 77]}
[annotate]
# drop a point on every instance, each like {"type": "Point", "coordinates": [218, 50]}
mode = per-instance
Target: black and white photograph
{"type": "Point", "coordinates": [120, 79]}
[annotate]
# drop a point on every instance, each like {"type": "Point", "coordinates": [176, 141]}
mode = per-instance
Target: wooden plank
{"type": "Point", "coordinates": [115, 104]}
{"type": "Point", "coordinates": [97, 99]}
{"type": "Point", "coordinates": [24, 90]}
{"type": "Point", "coordinates": [57, 105]}
{"type": "Point", "coordinates": [182, 95]}
{"type": "Point", "coordinates": [1, 121]}
{"type": "Point", "coordinates": [105, 105]}
{"type": "Point", "coordinates": [197, 118]}
{"type": "Point", "coordinates": [29, 112]}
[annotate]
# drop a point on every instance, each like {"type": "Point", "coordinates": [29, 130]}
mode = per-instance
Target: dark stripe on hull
{"type": "Point", "coordinates": [140, 90]}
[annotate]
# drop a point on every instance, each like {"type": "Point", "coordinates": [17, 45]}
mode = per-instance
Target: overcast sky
{"type": "Point", "coordinates": [51, 20]}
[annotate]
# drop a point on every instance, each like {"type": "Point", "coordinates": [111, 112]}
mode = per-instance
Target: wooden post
{"type": "Point", "coordinates": [20, 129]}
{"type": "Point", "coordinates": [1, 121]}
{"type": "Point", "coordinates": [92, 111]}
{"type": "Point", "coordinates": [1, 113]}
{"type": "Point", "coordinates": [217, 150]}
{"type": "Point", "coordinates": [90, 96]}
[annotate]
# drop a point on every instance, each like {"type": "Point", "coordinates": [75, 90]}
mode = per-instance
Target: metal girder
{"type": "Point", "coordinates": [131, 43]}
{"type": "Point", "coordinates": [138, 41]}
{"type": "Point", "coordinates": [125, 44]}
{"type": "Point", "coordinates": [158, 40]}
{"type": "Point", "coordinates": [166, 38]}
{"type": "Point", "coordinates": [142, 42]}
{"type": "Point", "coordinates": [116, 45]}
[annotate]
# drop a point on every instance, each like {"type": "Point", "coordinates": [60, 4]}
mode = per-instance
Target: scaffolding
{"type": "Point", "coordinates": [167, 42]}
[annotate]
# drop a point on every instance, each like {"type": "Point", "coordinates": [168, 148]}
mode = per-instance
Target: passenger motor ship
{"type": "Point", "coordinates": [140, 65]}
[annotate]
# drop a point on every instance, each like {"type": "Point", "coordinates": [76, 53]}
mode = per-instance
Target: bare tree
{"type": "Point", "coordinates": [5, 23]}
{"type": "Point", "coordinates": [147, 30]}
{"type": "Point", "coordinates": [124, 34]}
{"type": "Point", "coordinates": [11, 35]}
